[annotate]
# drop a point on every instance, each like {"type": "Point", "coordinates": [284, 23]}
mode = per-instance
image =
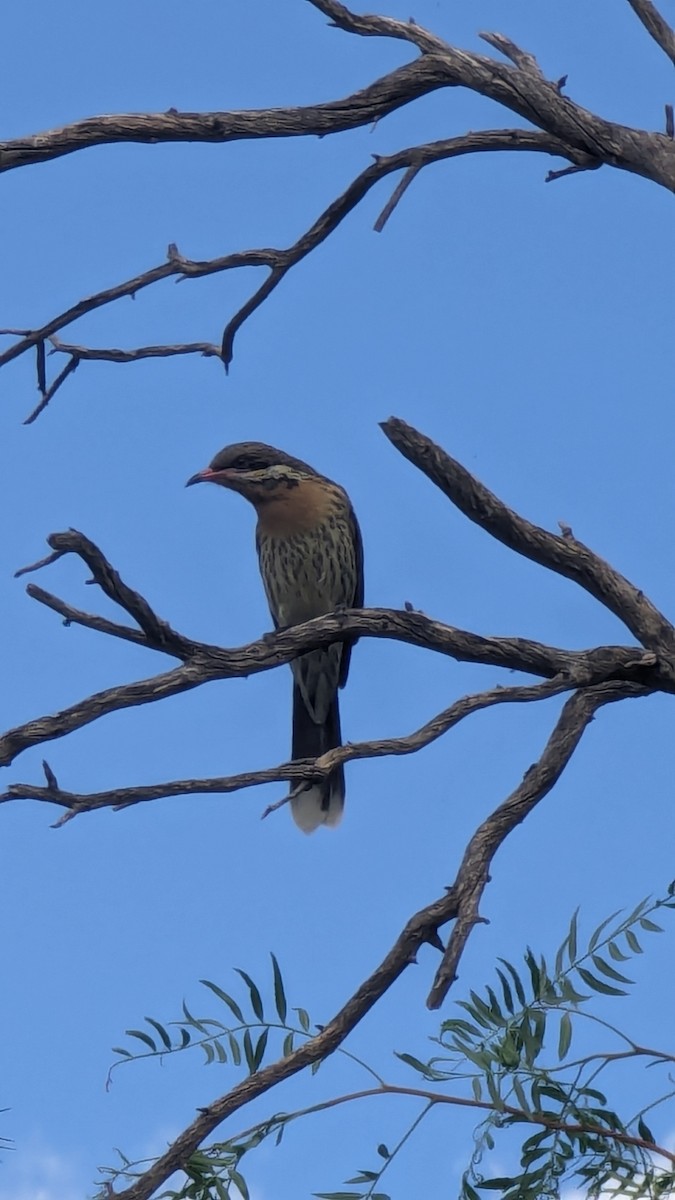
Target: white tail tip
{"type": "Point", "coordinates": [309, 812]}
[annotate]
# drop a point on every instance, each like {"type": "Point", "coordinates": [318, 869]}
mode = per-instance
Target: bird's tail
{"type": "Point", "coordinates": [319, 803]}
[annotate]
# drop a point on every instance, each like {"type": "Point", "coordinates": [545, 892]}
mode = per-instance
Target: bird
{"type": "Point", "coordinates": [310, 555]}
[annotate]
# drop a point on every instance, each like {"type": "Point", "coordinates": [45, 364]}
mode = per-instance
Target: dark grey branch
{"type": "Point", "coordinates": [421, 929]}
{"type": "Point", "coordinates": [562, 554]}
{"type": "Point", "coordinates": [656, 25]}
{"type": "Point", "coordinates": [279, 261]}
{"type": "Point", "coordinates": [473, 874]}
{"type": "Point", "coordinates": [561, 127]}
{"type": "Point", "coordinates": [296, 772]}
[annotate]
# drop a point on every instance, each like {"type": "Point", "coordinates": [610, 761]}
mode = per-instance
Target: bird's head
{"type": "Point", "coordinates": [256, 471]}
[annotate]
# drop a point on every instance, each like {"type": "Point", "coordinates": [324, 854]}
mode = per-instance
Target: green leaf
{"type": "Point", "coordinates": [231, 1004]}
{"type": "Point", "coordinates": [184, 1037]}
{"type": "Point", "coordinates": [383, 1152]}
{"type": "Point", "coordinates": [598, 985]}
{"type": "Point", "coordinates": [605, 968]}
{"type": "Point", "coordinates": [209, 1052]}
{"type": "Point", "coordinates": [248, 1052]}
{"type": "Point", "coordinates": [595, 937]}
{"type": "Point", "coordinates": [565, 1035]}
{"type": "Point", "coordinates": [463, 1028]}
{"type": "Point", "coordinates": [288, 1044]}
{"type": "Point", "coordinates": [415, 1063]}
{"type": "Point", "coordinates": [554, 1092]}
{"type": "Point", "coordinates": [313, 1067]}
{"type": "Point", "coordinates": [484, 1010]}
{"type": "Point", "coordinates": [279, 993]}
{"type": "Point", "coordinates": [594, 1093]}
{"type": "Point", "coordinates": [239, 1182]}
{"type": "Point", "coordinates": [120, 1050]}
{"type": "Point", "coordinates": [193, 1020]}
{"type": "Point", "coordinates": [650, 926]}
{"type": "Point", "coordinates": [572, 936]}
{"type": "Point", "coordinates": [520, 991]}
{"type": "Point", "coordinates": [493, 1089]}
{"type": "Point", "coordinates": [303, 1018]}
{"type": "Point", "coordinates": [476, 1088]}
{"type": "Point", "coordinates": [506, 991]}
{"type": "Point", "coordinates": [220, 1051]}
{"type": "Point", "coordinates": [508, 1051]}
{"type": "Point", "coordinates": [160, 1030]}
{"type": "Point", "coordinates": [469, 1193]}
{"type": "Point", "coordinates": [495, 1010]}
{"type": "Point", "coordinates": [474, 1012]}
{"type": "Point", "coordinates": [259, 1051]}
{"type": "Point", "coordinates": [483, 1059]}
{"type": "Point", "coordinates": [633, 942]}
{"type": "Point", "coordinates": [256, 999]}
{"type": "Point", "coordinates": [569, 994]}
{"type": "Point", "coordinates": [338, 1195]}
{"type": "Point", "coordinates": [520, 1095]}
{"type": "Point", "coordinates": [535, 973]}
{"type": "Point", "coordinates": [617, 954]}
{"type": "Point", "coordinates": [645, 1132]}
{"type": "Point", "coordinates": [532, 1043]}
{"type": "Point", "coordinates": [235, 1049]}
{"type": "Point", "coordinates": [142, 1037]}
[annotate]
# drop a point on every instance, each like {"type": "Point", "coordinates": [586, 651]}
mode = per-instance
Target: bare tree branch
{"type": "Point", "coordinates": [278, 261]}
{"type": "Point", "coordinates": [519, 88]}
{"type": "Point", "coordinates": [210, 663]}
{"type": "Point", "coordinates": [561, 127]}
{"type": "Point", "coordinates": [363, 107]}
{"type": "Point", "coordinates": [203, 663]}
{"type": "Point", "coordinates": [459, 902]}
{"type": "Point", "coordinates": [562, 554]}
{"type": "Point", "coordinates": [420, 929]}
{"type": "Point", "coordinates": [656, 25]}
{"type": "Point", "coordinates": [473, 874]}
{"type": "Point", "coordinates": [295, 772]}
{"type": "Point", "coordinates": [117, 355]}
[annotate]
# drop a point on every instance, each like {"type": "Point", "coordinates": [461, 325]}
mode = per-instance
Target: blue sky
{"type": "Point", "coordinates": [528, 329]}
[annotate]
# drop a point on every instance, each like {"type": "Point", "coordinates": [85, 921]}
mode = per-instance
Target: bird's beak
{"type": "Point", "coordinates": [202, 477]}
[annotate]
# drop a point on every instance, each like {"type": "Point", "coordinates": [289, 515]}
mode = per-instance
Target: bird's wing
{"type": "Point", "coordinates": [357, 601]}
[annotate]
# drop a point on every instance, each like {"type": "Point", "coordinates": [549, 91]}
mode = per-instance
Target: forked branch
{"type": "Point", "coordinates": [559, 127]}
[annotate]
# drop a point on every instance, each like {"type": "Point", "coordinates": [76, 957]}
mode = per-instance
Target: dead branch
{"type": "Point", "coordinates": [561, 127]}
{"type": "Point", "coordinates": [473, 874]}
{"type": "Point", "coordinates": [295, 772]}
{"type": "Point", "coordinates": [562, 554]}
{"type": "Point", "coordinates": [279, 261]}
{"type": "Point", "coordinates": [656, 25]}
{"type": "Point", "coordinates": [420, 929]}
{"type": "Point", "coordinates": [460, 902]}
{"type": "Point", "coordinates": [203, 663]}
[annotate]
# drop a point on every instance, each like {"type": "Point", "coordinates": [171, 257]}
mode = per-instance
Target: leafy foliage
{"type": "Point", "coordinates": [511, 1045]}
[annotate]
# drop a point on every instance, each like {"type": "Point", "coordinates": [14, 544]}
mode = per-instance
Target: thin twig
{"type": "Point", "coordinates": [69, 368]}
{"type": "Point", "coordinates": [111, 354]}
{"type": "Point", "coordinates": [396, 195]}
{"type": "Point", "coordinates": [300, 771]}
{"type": "Point", "coordinates": [279, 261]}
